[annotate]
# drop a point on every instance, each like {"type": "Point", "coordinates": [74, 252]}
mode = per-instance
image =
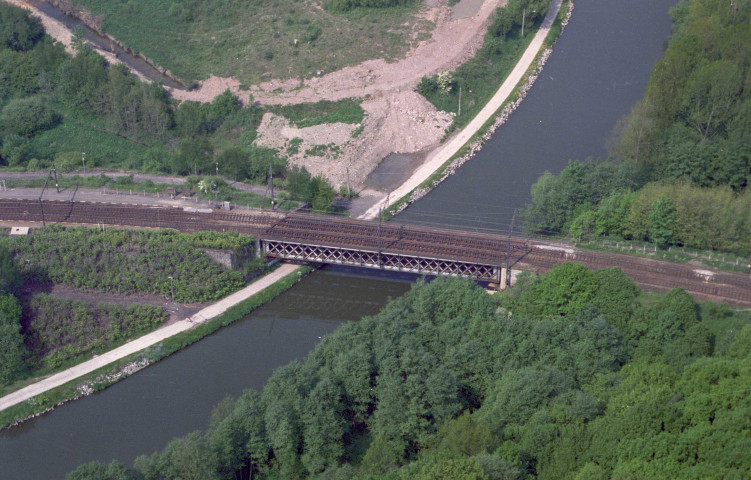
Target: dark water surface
{"type": "Point", "coordinates": [132, 59]}
{"type": "Point", "coordinates": [598, 70]}
{"type": "Point", "coordinates": [176, 396]}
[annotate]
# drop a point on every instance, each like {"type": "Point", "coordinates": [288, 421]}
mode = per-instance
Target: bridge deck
{"type": "Point", "coordinates": [365, 243]}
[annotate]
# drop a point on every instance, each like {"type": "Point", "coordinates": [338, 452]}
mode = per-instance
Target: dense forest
{"type": "Point", "coordinates": [54, 106]}
{"type": "Point", "coordinates": [574, 374]}
{"type": "Point", "coordinates": [681, 163]}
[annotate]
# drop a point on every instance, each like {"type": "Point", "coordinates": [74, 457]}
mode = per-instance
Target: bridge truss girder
{"type": "Point", "coordinates": [380, 260]}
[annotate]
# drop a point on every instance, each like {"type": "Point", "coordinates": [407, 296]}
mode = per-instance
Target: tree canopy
{"type": "Point", "coordinates": [690, 136]}
{"type": "Point", "coordinates": [546, 381]}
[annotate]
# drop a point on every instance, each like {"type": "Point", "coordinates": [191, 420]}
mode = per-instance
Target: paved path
{"type": "Point", "coordinates": [146, 340]}
{"type": "Point", "coordinates": [441, 155]}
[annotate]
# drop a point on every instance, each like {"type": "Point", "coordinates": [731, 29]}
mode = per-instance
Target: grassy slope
{"type": "Point", "coordinates": [248, 39]}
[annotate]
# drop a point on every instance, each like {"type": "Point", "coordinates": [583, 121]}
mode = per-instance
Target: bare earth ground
{"type": "Point", "coordinates": [398, 120]}
{"type": "Point", "coordinates": [176, 311]}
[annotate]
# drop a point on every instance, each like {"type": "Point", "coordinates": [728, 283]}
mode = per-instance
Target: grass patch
{"type": "Point", "coordinates": [130, 262]}
{"type": "Point", "coordinates": [293, 148]}
{"type": "Point", "coordinates": [322, 150]}
{"type": "Point", "coordinates": [227, 193]}
{"type": "Point", "coordinates": [479, 78]}
{"type": "Point", "coordinates": [67, 141]}
{"type": "Point", "coordinates": [189, 189]}
{"type": "Point", "coordinates": [309, 114]}
{"type": "Point", "coordinates": [106, 376]}
{"type": "Point", "coordinates": [252, 40]}
{"type": "Point", "coordinates": [557, 27]}
{"type": "Point", "coordinates": [67, 332]}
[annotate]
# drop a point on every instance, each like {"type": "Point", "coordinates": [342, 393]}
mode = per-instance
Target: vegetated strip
{"type": "Point", "coordinates": [131, 357]}
{"type": "Point", "coordinates": [493, 115]}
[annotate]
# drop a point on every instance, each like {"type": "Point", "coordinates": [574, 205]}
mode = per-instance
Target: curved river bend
{"type": "Point", "coordinates": [598, 70]}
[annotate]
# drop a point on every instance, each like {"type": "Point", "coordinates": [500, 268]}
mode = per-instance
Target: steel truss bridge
{"type": "Point", "coordinates": [388, 246]}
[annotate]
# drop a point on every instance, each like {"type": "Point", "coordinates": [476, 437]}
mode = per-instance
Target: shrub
{"type": "Point", "coordinates": [27, 116]}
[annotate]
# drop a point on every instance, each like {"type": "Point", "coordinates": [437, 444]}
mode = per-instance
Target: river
{"type": "Point", "coordinates": [599, 68]}
{"type": "Point", "coordinates": [176, 395]}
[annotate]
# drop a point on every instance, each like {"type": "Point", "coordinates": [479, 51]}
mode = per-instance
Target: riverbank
{"type": "Point", "coordinates": [446, 159]}
{"type": "Point", "coordinates": [106, 369]}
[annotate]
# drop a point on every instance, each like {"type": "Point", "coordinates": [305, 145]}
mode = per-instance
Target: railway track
{"type": "Point", "coordinates": [389, 237]}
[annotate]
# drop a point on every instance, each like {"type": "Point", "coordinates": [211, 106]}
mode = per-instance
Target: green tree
{"type": "Point", "coordinates": [298, 183]}
{"type": "Point", "coordinates": [322, 194]}
{"type": "Point", "coordinates": [80, 80]}
{"type": "Point", "coordinates": [612, 214]}
{"type": "Point", "coordinates": [10, 275]}
{"type": "Point", "coordinates": [239, 439]}
{"type": "Point", "coordinates": [20, 31]}
{"type": "Point", "coordinates": [194, 156]}
{"type": "Point", "coordinates": [12, 348]}
{"type": "Point", "coordinates": [442, 465]}
{"type": "Point", "coordinates": [712, 92]}
{"type": "Point", "coordinates": [27, 116]}
{"type": "Point", "coordinates": [520, 393]}
{"type": "Point", "coordinates": [324, 426]}
{"type": "Point", "coordinates": [583, 225]}
{"type": "Point", "coordinates": [234, 163]}
{"type": "Point", "coordinates": [98, 471]}
{"type": "Point", "coordinates": [564, 290]}
{"type": "Point", "coordinates": [465, 435]}
{"type": "Point", "coordinates": [189, 458]}
{"type": "Point", "coordinates": [662, 218]}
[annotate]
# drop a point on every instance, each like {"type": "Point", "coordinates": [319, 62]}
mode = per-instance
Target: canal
{"type": "Point", "coordinates": [599, 68]}
{"type": "Point", "coordinates": [176, 395]}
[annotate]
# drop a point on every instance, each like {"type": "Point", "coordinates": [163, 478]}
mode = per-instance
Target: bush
{"type": "Point", "coordinates": [347, 5]}
{"type": "Point", "coordinates": [130, 262]}
{"type": "Point", "coordinates": [27, 116]}
{"type": "Point", "coordinates": [20, 31]}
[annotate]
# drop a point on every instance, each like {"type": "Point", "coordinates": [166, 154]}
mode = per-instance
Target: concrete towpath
{"type": "Point", "coordinates": [145, 341]}
{"type": "Point", "coordinates": [442, 154]}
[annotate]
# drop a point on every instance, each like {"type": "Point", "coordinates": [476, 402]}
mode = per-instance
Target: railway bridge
{"type": "Point", "coordinates": [387, 246]}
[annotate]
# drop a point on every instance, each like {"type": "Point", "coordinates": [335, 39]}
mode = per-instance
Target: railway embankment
{"type": "Point", "coordinates": [108, 368]}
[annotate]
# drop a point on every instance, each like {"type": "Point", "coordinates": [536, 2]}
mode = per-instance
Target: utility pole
{"type": "Point", "coordinates": [349, 190]}
{"type": "Point", "coordinates": [380, 219]}
{"type": "Point", "coordinates": [271, 184]}
{"type": "Point", "coordinates": [83, 162]}
{"type": "Point", "coordinates": [54, 172]}
{"type": "Point", "coordinates": [524, 14]}
{"type": "Point", "coordinates": [459, 114]}
{"type": "Point", "coordinates": [172, 287]}
{"type": "Point", "coordinates": [508, 251]}
{"type": "Point", "coordinates": [217, 168]}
